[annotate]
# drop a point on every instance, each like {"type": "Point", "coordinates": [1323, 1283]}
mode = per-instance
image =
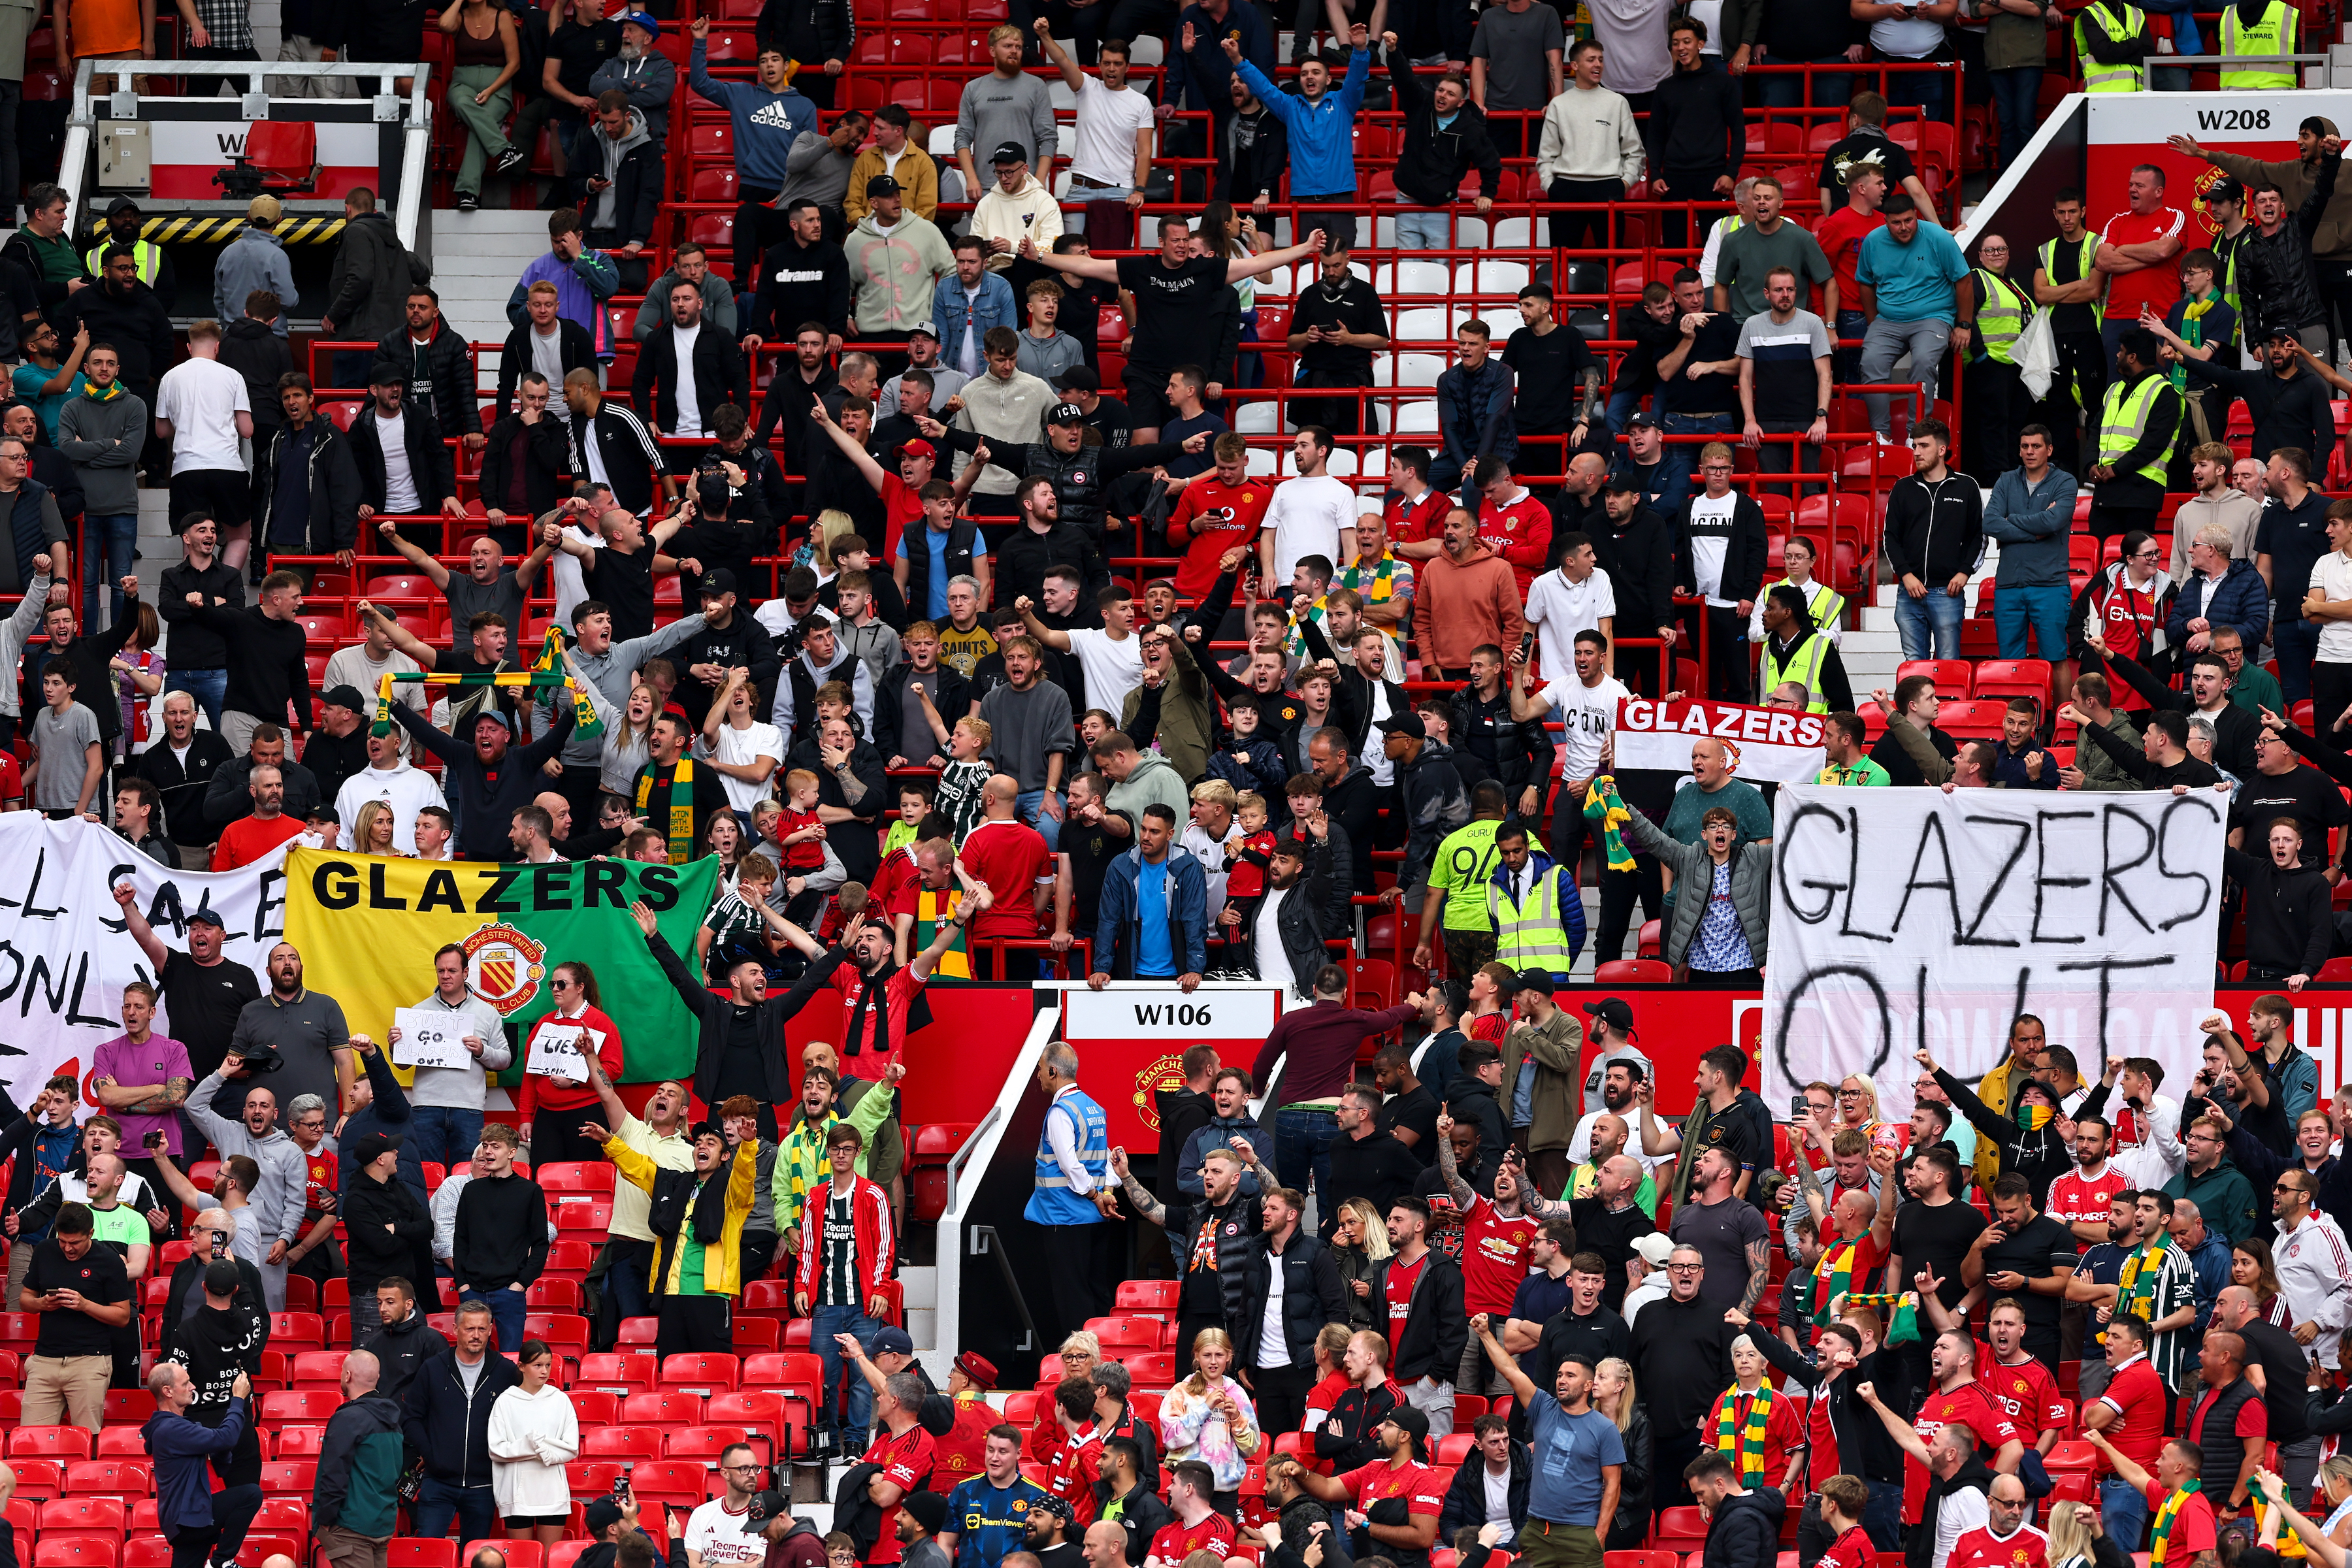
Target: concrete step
{"type": "Point", "coordinates": [476, 257]}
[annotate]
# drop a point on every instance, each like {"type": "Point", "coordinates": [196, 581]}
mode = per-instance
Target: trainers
{"type": "Point", "coordinates": [510, 160]}
{"type": "Point", "coordinates": [469, 202]}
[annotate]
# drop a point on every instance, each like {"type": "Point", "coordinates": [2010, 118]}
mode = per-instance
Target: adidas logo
{"type": "Point", "coordinates": [772, 113]}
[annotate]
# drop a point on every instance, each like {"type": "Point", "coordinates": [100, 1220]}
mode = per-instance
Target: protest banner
{"type": "Point", "coordinates": [66, 952]}
{"type": "Point", "coordinates": [367, 928]}
{"type": "Point", "coordinates": [1765, 744]}
{"type": "Point", "coordinates": [1912, 918]}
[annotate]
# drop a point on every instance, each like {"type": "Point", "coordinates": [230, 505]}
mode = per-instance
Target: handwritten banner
{"type": "Point", "coordinates": [1910, 918]}
{"type": "Point", "coordinates": [1766, 745]}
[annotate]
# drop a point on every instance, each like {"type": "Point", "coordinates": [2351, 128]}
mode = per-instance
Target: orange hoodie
{"type": "Point", "coordinates": [1465, 603]}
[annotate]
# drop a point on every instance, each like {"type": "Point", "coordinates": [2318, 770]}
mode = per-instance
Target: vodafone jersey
{"type": "Point", "coordinates": [2026, 1393]}
{"type": "Point", "coordinates": [1970, 1404]}
{"type": "Point", "coordinates": [1981, 1548]}
{"type": "Point", "coordinates": [1520, 532]}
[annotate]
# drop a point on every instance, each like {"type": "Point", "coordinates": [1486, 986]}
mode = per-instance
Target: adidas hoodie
{"type": "Point", "coordinates": [766, 124]}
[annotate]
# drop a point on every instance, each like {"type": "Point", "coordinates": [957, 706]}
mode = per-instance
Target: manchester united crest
{"type": "Point", "coordinates": [1167, 1073]}
{"type": "Point", "coordinates": [503, 967]}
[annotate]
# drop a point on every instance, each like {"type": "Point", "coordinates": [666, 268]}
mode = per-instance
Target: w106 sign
{"type": "Point", "coordinates": [1168, 1013]}
{"type": "Point", "coordinates": [1764, 743]}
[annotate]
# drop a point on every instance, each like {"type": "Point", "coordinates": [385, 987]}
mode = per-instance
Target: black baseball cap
{"type": "Point", "coordinates": [1625, 477]}
{"type": "Point", "coordinates": [882, 185]}
{"type": "Point", "coordinates": [1009, 152]}
{"type": "Point", "coordinates": [1614, 1011]}
{"type": "Point", "coordinates": [1403, 724]}
{"type": "Point", "coordinates": [346, 697]}
{"type": "Point", "coordinates": [1065, 414]}
{"type": "Point", "coordinates": [717, 581]}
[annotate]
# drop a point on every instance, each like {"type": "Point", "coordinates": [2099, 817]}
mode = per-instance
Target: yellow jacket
{"type": "Point", "coordinates": [917, 173]}
{"type": "Point", "coordinates": [1994, 1089]}
{"type": "Point", "coordinates": [721, 1272]}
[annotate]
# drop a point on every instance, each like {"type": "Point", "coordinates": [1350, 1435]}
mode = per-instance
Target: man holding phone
{"type": "Point", "coordinates": [83, 1294]}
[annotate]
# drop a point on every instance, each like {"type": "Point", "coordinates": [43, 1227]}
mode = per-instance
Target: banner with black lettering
{"type": "Point", "coordinates": [1911, 918]}
{"type": "Point", "coordinates": [66, 952]}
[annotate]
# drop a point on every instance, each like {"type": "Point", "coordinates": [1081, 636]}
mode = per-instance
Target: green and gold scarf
{"type": "Point", "coordinates": [1602, 806]}
{"type": "Point", "coordinates": [2161, 1538]}
{"type": "Point", "coordinates": [680, 830]}
{"type": "Point", "coordinates": [1835, 1274]}
{"type": "Point", "coordinates": [1904, 1327]}
{"type": "Point", "coordinates": [1745, 1438]}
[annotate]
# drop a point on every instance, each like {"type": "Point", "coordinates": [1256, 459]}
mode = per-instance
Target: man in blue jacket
{"type": "Point", "coordinates": [200, 1523]}
{"type": "Point", "coordinates": [2217, 592]}
{"type": "Point", "coordinates": [768, 115]}
{"type": "Point", "coordinates": [1322, 127]}
{"type": "Point", "coordinates": [2032, 514]}
{"type": "Point", "coordinates": [1154, 920]}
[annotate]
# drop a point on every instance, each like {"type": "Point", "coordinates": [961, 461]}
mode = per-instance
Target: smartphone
{"type": "Point", "coordinates": [155, 1141]}
{"type": "Point", "coordinates": [220, 1245]}
{"type": "Point", "coordinates": [1798, 1109]}
{"type": "Point", "coordinates": [621, 1483]}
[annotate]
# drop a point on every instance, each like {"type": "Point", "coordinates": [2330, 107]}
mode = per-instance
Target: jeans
{"type": "Point", "coordinates": [1302, 1150]}
{"type": "Point", "coordinates": [853, 1411]}
{"type": "Point", "coordinates": [444, 1134]}
{"type": "Point", "coordinates": [109, 548]}
{"type": "Point", "coordinates": [475, 1510]}
{"type": "Point", "coordinates": [2042, 611]}
{"type": "Point", "coordinates": [2123, 1512]}
{"type": "Point", "coordinates": [2017, 102]}
{"type": "Point", "coordinates": [1906, 89]}
{"type": "Point", "coordinates": [506, 1309]}
{"type": "Point", "coordinates": [1887, 341]}
{"type": "Point", "coordinates": [1845, 361]}
{"type": "Point", "coordinates": [2296, 642]}
{"type": "Point", "coordinates": [1424, 228]}
{"type": "Point", "coordinates": [1882, 1516]}
{"type": "Point", "coordinates": [1030, 806]}
{"type": "Point", "coordinates": [208, 687]}
{"type": "Point", "coordinates": [1702, 425]}
{"type": "Point", "coordinates": [1620, 408]}
{"type": "Point", "coordinates": [1938, 614]}
{"type": "Point", "coordinates": [367, 1319]}
{"type": "Point", "coordinates": [1789, 91]}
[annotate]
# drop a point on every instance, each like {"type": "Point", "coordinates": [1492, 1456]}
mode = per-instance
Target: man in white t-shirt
{"type": "Point", "coordinates": [1111, 658]}
{"type": "Point", "coordinates": [744, 751]}
{"type": "Point", "coordinates": [1113, 159]}
{"type": "Point", "coordinates": [1586, 706]}
{"type": "Point", "coordinates": [1309, 515]}
{"type": "Point", "coordinates": [204, 409]}
{"type": "Point", "coordinates": [715, 1533]}
{"type": "Point", "coordinates": [1574, 596]}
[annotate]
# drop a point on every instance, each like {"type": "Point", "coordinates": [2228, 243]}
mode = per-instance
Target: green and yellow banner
{"type": "Point", "coordinates": [368, 926]}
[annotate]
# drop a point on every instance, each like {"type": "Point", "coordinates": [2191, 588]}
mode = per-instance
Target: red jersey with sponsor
{"type": "Point", "coordinates": [1178, 1541]}
{"type": "Point", "coordinates": [1417, 1484]}
{"type": "Point", "coordinates": [318, 1180]}
{"type": "Point", "coordinates": [1215, 516]}
{"type": "Point", "coordinates": [2157, 287]}
{"type": "Point", "coordinates": [1852, 1550]}
{"type": "Point", "coordinates": [1076, 1466]}
{"type": "Point", "coordinates": [1418, 522]}
{"type": "Point", "coordinates": [1981, 1548]}
{"type": "Point", "coordinates": [2073, 1200]}
{"type": "Point", "coordinates": [1519, 531]}
{"type": "Point", "coordinates": [1403, 1277]}
{"type": "Point", "coordinates": [1011, 859]}
{"type": "Point", "coordinates": [962, 1453]}
{"type": "Point", "coordinates": [1494, 1256]}
{"type": "Point", "coordinates": [2131, 619]}
{"type": "Point", "coordinates": [2137, 1394]}
{"type": "Point", "coordinates": [907, 1462]}
{"type": "Point", "coordinates": [1968, 1403]}
{"type": "Point", "coordinates": [2026, 1393]}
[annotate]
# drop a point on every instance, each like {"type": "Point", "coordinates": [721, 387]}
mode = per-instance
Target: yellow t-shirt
{"type": "Point", "coordinates": [962, 651]}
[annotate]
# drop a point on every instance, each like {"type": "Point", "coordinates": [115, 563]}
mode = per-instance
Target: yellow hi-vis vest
{"type": "Point", "coordinates": [2273, 35]}
{"type": "Point", "coordinates": [2097, 78]}
{"type": "Point", "coordinates": [2001, 317]}
{"type": "Point", "coordinates": [1534, 934]}
{"type": "Point", "coordinates": [150, 258]}
{"type": "Point", "coordinates": [1825, 604]}
{"type": "Point", "coordinates": [2125, 417]}
{"type": "Point", "coordinates": [1804, 667]}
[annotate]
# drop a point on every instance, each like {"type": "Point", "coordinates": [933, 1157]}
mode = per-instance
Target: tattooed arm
{"type": "Point", "coordinates": [1759, 1272]}
{"type": "Point", "coordinates": [1146, 1206]}
{"type": "Point", "coordinates": [1464, 1195]}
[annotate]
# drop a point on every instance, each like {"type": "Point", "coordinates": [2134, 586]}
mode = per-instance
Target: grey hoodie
{"type": "Point", "coordinates": [87, 433]}
{"type": "Point", "coordinates": [649, 80]}
{"type": "Point", "coordinates": [1153, 782]}
{"type": "Point", "coordinates": [255, 260]}
{"type": "Point", "coordinates": [816, 171]}
{"type": "Point", "coordinates": [276, 1204]}
{"type": "Point", "coordinates": [22, 623]}
{"type": "Point", "coordinates": [602, 210]}
{"type": "Point", "coordinates": [613, 671]}
{"type": "Point", "coordinates": [717, 304]}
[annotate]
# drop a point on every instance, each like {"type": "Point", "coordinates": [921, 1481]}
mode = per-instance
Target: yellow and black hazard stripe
{"type": "Point", "coordinates": [292, 231]}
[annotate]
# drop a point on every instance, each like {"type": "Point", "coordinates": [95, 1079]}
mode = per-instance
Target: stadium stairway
{"type": "Point", "coordinates": [476, 257]}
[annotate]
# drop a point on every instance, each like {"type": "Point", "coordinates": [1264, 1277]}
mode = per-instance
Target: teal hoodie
{"type": "Point", "coordinates": [360, 1461]}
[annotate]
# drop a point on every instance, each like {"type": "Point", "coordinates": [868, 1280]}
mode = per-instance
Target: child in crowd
{"type": "Point", "coordinates": [915, 798]}
{"type": "Point", "coordinates": [964, 783]}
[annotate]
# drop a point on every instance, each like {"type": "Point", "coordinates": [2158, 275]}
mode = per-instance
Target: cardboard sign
{"type": "Point", "coordinates": [431, 1039]}
{"type": "Point", "coordinates": [555, 1050]}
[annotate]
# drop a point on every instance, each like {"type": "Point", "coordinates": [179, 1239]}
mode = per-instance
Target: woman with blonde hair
{"type": "Point", "coordinates": [1613, 1395]}
{"type": "Point", "coordinates": [2075, 1535]}
{"type": "Point", "coordinates": [815, 551]}
{"type": "Point", "coordinates": [371, 831]}
{"type": "Point", "coordinates": [1359, 1244]}
{"type": "Point", "coordinates": [628, 740]}
{"type": "Point", "coordinates": [2335, 1486]}
{"type": "Point", "coordinates": [1332, 1379]}
{"type": "Point", "coordinates": [1209, 1417]}
{"type": "Point", "coordinates": [1857, 1104]}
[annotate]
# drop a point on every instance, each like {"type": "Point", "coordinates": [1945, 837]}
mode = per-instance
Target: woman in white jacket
{"type": "Point", "coordinates": [533, 1435]}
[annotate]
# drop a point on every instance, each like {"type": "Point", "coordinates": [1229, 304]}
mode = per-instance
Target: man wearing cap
{"type": "Point", "coordinates": [895, 262]}
{"type": "Point", "coordinates": [404, 468]}
{"type": "Point", "coordinates": [124, 224]}
{"type": "Point", "coordinates": [338, 750]}
{"type": "Point", "coordinates": [1079, 474]}
{"type": "Point", "coordinates": [698, 1219]}
{"type": "Point", "coordinates": [2329, 243]}
{"type": "Point", "coordinates": [608, 1523]}
{"type": "Point", "coordinates": [1392, 1503]}
{"type": "Point", "coordinates": [923, 353]}
{"type": "Point", "coordinates": [2287, 401]}
{"type": "Point", "coordinates": [255, 259]}
{"type": "Point", "coordinates": [486, 784]}
{"type": "Point", "coordinates": [921, 1518]}
{"type": "Point", "coordinates": [640, 70]}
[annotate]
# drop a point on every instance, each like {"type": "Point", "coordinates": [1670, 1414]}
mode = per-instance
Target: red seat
{"type": "Point", "coordinates": [50, 1442]}
{"type": "Point", "coordinates": [714, 1373]}
{"type": "Point", "coordinates": [1680, 1530]}
{"type": "Point", "coordinates": [147, 1552]}
{"type": "Point", "coordinates": [518, 1553]}
{"type": "Point", "coordinates": [76, 1551]}
{"type": "Point", "coordinates": [2007, 678]}
{"type": "Point", "coordinates": [300, 1404]}
{"type": "Point", "coordinates": [663, 1409]}
{"type": "Point", "coordinates": [293, 1476]}
{"type": "Point", "coordinates": [115, 1477]}
{"type": "Point", "coordinates": [1157, 1297]}
{"type": "Point", "coordinates": [84, 1515]}
{"type": "Point", "coordinates": [1972, 720]}
{"type": "Point", "coordinates": [620, 1443]}
{"type": "Point", "coordinates": [1632, 971]}
{"type": "Point", "coordinates": [1954, 678]}
{"type": "Point", "coordinates": [575, 1176]}
{"type": "Point", "coordinates": [674, 1483]}
{"type": "Point", "coordinates": [416, 1552]}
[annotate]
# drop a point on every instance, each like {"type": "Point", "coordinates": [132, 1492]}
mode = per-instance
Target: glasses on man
{"type": "Point", "coordinates": [1686, 1268]}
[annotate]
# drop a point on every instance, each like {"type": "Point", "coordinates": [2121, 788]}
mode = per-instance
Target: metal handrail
{"type": "Point", "coordinates": [971, 1142]}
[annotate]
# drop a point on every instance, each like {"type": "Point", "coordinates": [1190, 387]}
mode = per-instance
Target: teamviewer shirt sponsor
{"type": "Point", "coordinates": [1493, 1255]}
{"type": "Point", "coordinates": [715, 1533]}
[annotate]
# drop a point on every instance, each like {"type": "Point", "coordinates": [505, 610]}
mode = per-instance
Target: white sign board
{"type": "Point", "coordinates": [1764, 744]}
{"type": "Point", "coordinates": [1164, 1012]}
{"type": "Point", "coordinates": [1909, 918]}
{"type": "Point", "coordinates": [431, 1039]}
{"type": "Point", "coordinates": [555, 1050]}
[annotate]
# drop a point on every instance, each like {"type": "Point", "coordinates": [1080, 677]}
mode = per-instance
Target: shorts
{"type": "Point", "coordinates": [226, 493]}
{"type": "Point", "coordinates": [1147, 396]}
{"type": "Point", "coordinates": [533, 1521]}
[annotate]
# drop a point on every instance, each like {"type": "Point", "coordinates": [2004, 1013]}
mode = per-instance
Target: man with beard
{"type": "Point", "coordinates": [1221, 1224]}
{"type": "Point", "coordinates": [1847, 1436]}
{"type": "Point", "coordinates": [2024, 1139]}
{"type": "Point", "coordinates": [1955, 1399]}
{"type": "Point", "coordinates": [1682, 1358]}
{"type": "Point", "coordinates": [2284, 1368]}
{"type": "Point", "coordinates": [2094, 1282]}
{"type": "Point", "coordinates": [402, 1342]}
{"type": "Point", "coordinates": [877, 993]}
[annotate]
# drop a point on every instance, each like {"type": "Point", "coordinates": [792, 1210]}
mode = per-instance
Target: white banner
{"type": "Point", "coordinates": [1911, 918]}
{"type": "Point", "coordinates": [1765, 744]}
{"type": "Point", "coordinates": [65, 954]}
{"type": "Point", "coordinates": [1164, 1012]}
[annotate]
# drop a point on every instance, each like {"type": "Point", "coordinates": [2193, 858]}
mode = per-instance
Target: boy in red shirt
{"type": "Point", "coordinates": [801, 833]}
{"type": "Point", "coordinates": [1218, 509]}
{"type": "Point", "coordinates": [1512, 523]}
{"type": "Point", "coordinates": [1844, 1499]}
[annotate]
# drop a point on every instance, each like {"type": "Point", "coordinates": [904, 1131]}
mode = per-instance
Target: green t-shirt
{"type": "Point", "coordinates": [2257, 689]}
{"type": "Point", "coordinates": [1466, 858]}
{"type": "Point", "coordinates": [123, 1225]}
{"type": "Point", "coordinates": [1863, 773]}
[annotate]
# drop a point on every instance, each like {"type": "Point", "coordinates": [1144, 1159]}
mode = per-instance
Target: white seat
{"type": "Point", "coordinates": [1503, 280]}
{"type": "Point", "coordinates": [1146, 51]}
{"type": "Point", "coordinates": [1258, 419]}
{"type": "Point", "coordinates": [1058, 94]}
{"type": "Point", "coordinates": [1341, 464]}
{"type": "Point", "coordinates": [1426, 324]}
{"type": "Point", "coordinates": [1417, 418]}
{"type": "Point", "coordinates": [942, 143]}
{"type": "Point", "coordinates": [1147, 234]}
{"type": "Point", "coordinates": [1261, 462]}
{"type": "Point", "coordinates": [1397, 277]}
{"type": "Point", "coordinates": [1374, 465]}
{"type": "Point", "coordinates": [1384, 235]}
{"type": "Point", "coordinates": [1062, 190]}
{"type": "Point", "coordinates": [1470, 233]}
{"type": "Point", "coordinates": [1412, 369]}
{"type": "Point", "coordinates": [1514, 233]}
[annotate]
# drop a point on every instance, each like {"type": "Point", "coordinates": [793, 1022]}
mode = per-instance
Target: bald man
{"type": "Point", "coordinates": [2278, 1366]}
{"type": "Point", "coordinates": [2232, 1422]}
{"type": "Point", "coordinates": [356, 1505]}
{"type": "Point", "coordinates": [2004, 1536]}
{"type": "Point", "coordinates": [589, 845]}
{"type": "Point", "coordinates": [1105, 1545]}
{"type": "Point", "coordinates": [1014, 859]}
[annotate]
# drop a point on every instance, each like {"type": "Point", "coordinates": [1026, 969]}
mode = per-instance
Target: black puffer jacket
{"type": "Point", "coordinates": [1436, 1326]}
{"type": "Point", "coordinates": [1431, 162]}
{"type": "Point", "coordinates": [1746, 1529]}
{"type": "Point", "coordinates": [440, 377]}
{"type": "Point", "coordinates": [1236, 1227]}
{"type": "Point", "coordinates": [2277, 282]}
{"type": "Point", "coordinates": [1310, 1296]}
{"type": "Point", "coordinates": [336, 490]}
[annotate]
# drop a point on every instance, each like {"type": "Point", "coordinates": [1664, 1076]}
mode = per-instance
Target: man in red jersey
{"type": "Point", "coordinates": [2018, 1382]}
{"type": "Point", "coordinates": [1957, 1398]}
{"type": "Point", "coordinates": [1198, 1527]}
{"type": "Point", "coordinates": [1010, 859]}
{"type": "Point", "coordinates": [2180, 1515]}
{"type": "Point", "coordinates": [1512, 523]}
{"type": "Point", "coordinates": [1399, 1474]}
{"type": "Point", "coordinates": [2127, 1423]}
{"type": "Point", "coordinates": [2004, 1539]}
{"type": "Point", "coordinates": [2136, 255]}
{"type": "Point", "coordinates": [1415, 513]}
{"type": "Point", "coordinates": [1218, 509]}
{"type": "Point", "coordinates": [2079, 1199]}
{"type": "Point", "coordinates": [1496, 1237]}
{"type": "Point", "coordinates": [905, 1454]}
